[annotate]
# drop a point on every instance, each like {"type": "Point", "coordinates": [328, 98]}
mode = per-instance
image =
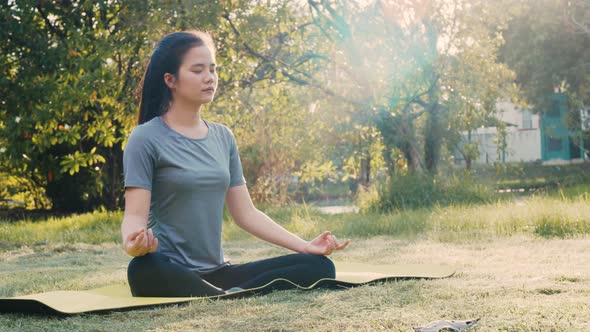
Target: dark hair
{"type": "Point", "coordinates": [154, 94]}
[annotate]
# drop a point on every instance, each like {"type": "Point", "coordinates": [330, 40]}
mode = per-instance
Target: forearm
{"type": "Point", "coordinates": [130, 224]}
{"type": "Point", "coordinates": [263, 227]}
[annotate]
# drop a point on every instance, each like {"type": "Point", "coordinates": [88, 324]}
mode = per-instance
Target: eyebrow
{"type": "Point", "coordinates": [202, 65]}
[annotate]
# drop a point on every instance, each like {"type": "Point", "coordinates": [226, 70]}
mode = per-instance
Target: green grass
{"type": "Point", "coordinates": [574, 191]}
{"type": "Point", "coordinates": [521, 266]}
{"type": "Point", "coordinates": [424, 191]}
{"type": "Point", "coordinates": [521, 283]}
{"type": "Point", "coordinates": [544, 216]}
{"type": "Point", "coordinates": [97, 227]}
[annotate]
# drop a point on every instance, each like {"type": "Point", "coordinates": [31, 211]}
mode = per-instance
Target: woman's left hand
{"type": "Point", "coordinates": [324, 244]}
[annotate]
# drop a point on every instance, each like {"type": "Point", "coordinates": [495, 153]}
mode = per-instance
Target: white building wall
{"type": "Point", "coordinates": [523, 137]}
{"type": "Point", "coordinates": [508, 113]}
{"type": "Point", "coordinates": [524, 145]}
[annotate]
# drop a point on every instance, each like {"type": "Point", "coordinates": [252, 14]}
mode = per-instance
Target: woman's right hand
{"type": "Point", "coordinates": [140, 242]}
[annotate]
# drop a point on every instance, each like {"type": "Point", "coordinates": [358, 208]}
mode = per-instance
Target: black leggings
{"type": "Point", "coordinates": [156, 275]}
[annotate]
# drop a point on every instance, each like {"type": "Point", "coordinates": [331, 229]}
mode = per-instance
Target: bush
{"type": "Point", "coordinates": [416, 191]}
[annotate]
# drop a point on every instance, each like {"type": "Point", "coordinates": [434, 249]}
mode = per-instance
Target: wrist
{"type": "Point", "coordinates": [304, 247]}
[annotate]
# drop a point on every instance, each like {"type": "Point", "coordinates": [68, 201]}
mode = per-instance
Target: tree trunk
{"type": "Point", "coordinates": [368, 173]}
{"type": "Point", "coordinates": [399, 132]}
{"type": "Point", "coordinates": [433, 138]}
{"type": "Point", "coordinates": [114, 188]}
{"type": "Point", "coordinates": [411, 151]}
{"type": "Point", "coordinates": [468, 164]}
{"type": "Point", "coordinates": [365, 173]}
{"type": "Point", "coordinates": [467, 156]}
{"type": "Point", "coordinates": [389, 159]}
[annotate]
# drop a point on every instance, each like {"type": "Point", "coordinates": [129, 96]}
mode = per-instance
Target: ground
{"type": "Point", "coordinates": [514, 283]}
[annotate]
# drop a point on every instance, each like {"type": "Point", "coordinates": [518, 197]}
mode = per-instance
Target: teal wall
{"type": "Point", "coordinates": [555, 136]}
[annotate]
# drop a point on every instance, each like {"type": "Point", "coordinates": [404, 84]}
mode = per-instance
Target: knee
{"type": "Point", "coordinates": [322, 265]}
{"type": "Point", "coordinates": [140, 264]}
{"type": "Point", "coordinates": [141, 268]}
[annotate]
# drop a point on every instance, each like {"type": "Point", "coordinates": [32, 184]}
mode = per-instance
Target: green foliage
{"type": "Point", "coordinates": [336, 92]}
{"type": "Point", "coordinates": [547, 45]}
{"type": "Point", "coordinates": [549, 51]}
{"type": "Point", "coordinates": [425, 79]}
{"type": "Point", "coordinates": [19, 192]}
{"type": "Point", "coordinates": [415, 190]}
{"type": "Point", "coordinates": [65, 114]}
{"type": "Point", "coordinates": [581, 190]}
{"type": "Point", "coordinates": [70, 71]}
{"type": "Point", "coordinates": [561, 227]}
{"type": "Point", "coordinates": [267, 53]}
{"type": "Point", "coordinates": [313, 171]}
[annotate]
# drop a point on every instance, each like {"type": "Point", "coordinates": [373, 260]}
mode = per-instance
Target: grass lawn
{"type": "Point", "coordinates": [522, 266]}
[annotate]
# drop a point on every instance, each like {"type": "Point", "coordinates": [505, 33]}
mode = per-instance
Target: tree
{"type": "Point", "coordinates": [548, 45]}
{"type": "Point", "coordinates": [291, 124]}
{"type": "Point", "coordinates": [69, 71]}
{"type": "Point", "coordinates": [421, 66]}
{"type": "Point", "coordinates": [578, 15]}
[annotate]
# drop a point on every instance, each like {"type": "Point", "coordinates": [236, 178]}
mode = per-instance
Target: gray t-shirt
{"type": "Point", "coordinates": [188, 179]}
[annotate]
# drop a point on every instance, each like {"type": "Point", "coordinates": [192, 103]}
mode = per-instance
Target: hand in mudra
{"type": "Point", "coordinates": [140, 242]}
{"type": "Point", "coordinates": [324, 244]}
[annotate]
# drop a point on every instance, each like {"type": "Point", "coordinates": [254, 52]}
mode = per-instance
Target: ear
{"type": "Point", "coordinates": [170, 80]}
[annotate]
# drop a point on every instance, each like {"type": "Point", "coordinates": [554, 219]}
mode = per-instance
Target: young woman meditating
{"type": "Point", "coordinates": [179, 169]}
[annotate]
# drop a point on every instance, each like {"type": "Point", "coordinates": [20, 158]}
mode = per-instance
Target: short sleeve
{"type": "Point", "coordinates": [235, 165]}
{"type": "Point", "coordinates": [138, 161]}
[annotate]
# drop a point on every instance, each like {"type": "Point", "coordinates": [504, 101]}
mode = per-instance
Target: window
{"type": "Point", "coordinates": [553, 144]}
{"type": "Point", "coordinates": [554, 111]}
{"type": "Point", "coordinates": [585, 118]}
{"type": "Point", "coordinates": [527, 119]}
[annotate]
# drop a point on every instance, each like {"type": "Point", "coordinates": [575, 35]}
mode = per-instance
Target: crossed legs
{"type": "Point", "coordinates": [156, 275]}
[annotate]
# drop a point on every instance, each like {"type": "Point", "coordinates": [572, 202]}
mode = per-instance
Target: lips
{"type": "Point", "coordinates": [209, 90]}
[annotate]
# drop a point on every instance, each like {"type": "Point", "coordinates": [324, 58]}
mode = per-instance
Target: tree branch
{"type": "Point", "coordinates": [53, 29]}
{"type": "Point", "coordinates": [285, 69]}
{"type": "Point", "coordinates": [130, 62]}
{"type": "Point", "coordinates": [579, 25]}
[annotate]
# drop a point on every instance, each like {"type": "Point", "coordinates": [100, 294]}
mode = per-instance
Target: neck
{"type": "Point", "coordinates": [183, 114]}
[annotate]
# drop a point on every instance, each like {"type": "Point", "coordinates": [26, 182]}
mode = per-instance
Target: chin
{"type": "Point", "coordinates": [208, 99]}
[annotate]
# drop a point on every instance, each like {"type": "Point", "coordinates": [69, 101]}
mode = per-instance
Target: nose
{"type": "Point", "coordinates": [210, 77]}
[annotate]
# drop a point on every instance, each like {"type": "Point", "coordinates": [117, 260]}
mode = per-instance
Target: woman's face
{"type": "Point", "coordinates": [197, 76]}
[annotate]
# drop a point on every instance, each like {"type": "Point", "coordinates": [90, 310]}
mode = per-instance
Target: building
{"type": "Point", "coordinates": [558, 142]}
{"type": "Point", "coordinates": [542, 136]}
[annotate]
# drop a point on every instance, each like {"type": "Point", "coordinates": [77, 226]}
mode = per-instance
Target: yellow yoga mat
{"type": "Point", "coordinates": [118, 297]}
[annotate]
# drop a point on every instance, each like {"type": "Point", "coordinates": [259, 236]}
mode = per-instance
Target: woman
{"type": "Point", "coordinates": [178, 170]}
